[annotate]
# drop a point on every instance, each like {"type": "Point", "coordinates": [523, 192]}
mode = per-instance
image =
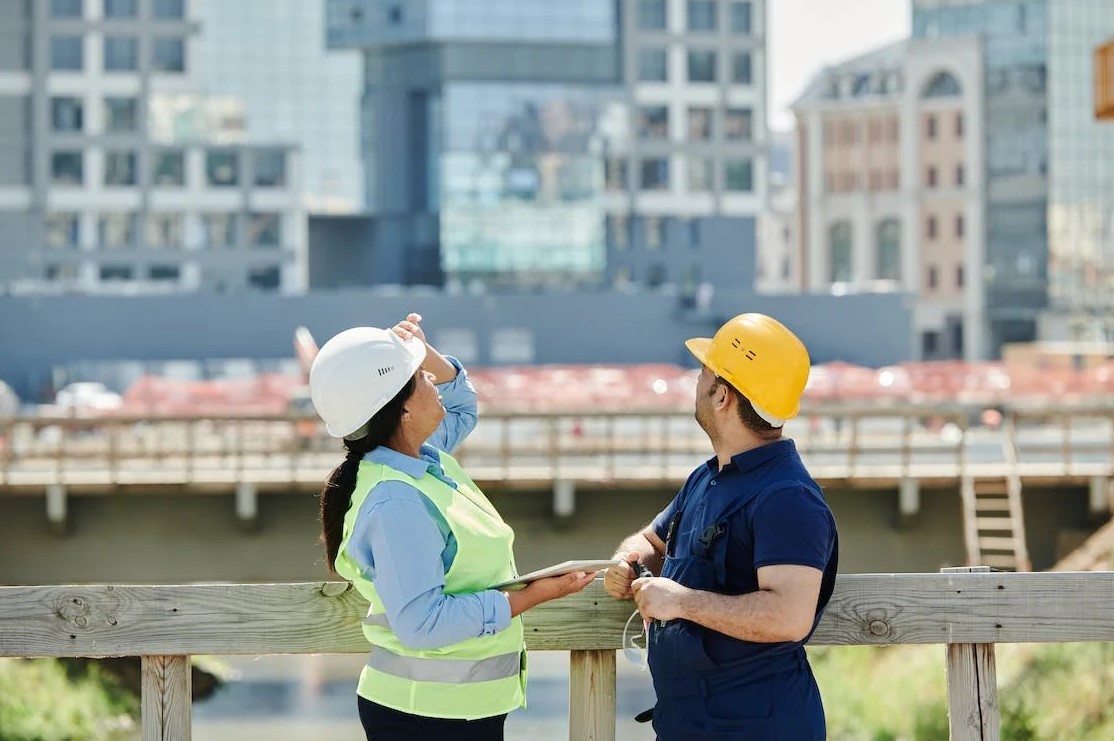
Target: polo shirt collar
{"type": "Point", "coordinates": [752, 459]}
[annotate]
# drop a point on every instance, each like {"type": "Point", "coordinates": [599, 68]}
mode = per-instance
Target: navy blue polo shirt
{"type": "Point", "coordinates": [767, 510]}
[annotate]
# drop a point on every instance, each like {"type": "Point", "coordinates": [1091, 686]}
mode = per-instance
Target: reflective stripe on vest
{"type": "Point", "coordinates": [449, 671]}
{"type": "Point", "coordinates": [379, 620]}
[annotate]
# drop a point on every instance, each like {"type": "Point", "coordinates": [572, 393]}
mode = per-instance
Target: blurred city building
{"type": "Point", "coordinates": [1049, 163]}
{"type": "Point", "coordinates": [527, 143]}
{"type": "Point", "coordinates": [892, 190]}
{"type": "Point", "coordinates": [90, 201]}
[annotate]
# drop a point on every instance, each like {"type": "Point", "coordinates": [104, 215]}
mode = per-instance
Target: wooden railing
{"type": "Point", "coordinates": [839, 443]}
{"type": "Point", "coordinates": [967, 609]}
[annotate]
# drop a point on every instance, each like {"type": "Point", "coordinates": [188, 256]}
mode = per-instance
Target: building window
{"type": "Point", "coordinates": [60, 272]}
{"type": "Point", "coordinates": [701, 15]}
{"type": "Point", "coordinates": [651, 15]}
{"type": "Point", "coordinates": [702, 66]}
{"type": "Point", "coordinates": [653, 65]}
{"type": "Point", "coordinates": [653, 232]}
{"type": "Point", "coordinates": [164, 273]}
{"type": "Point", "coordinates": [932, 227]}
{"type": "Point", "coordinates": [653, 122]}
{"type": "Point", "coordinates": [738, 124]}
{"type": "Point", "coordinates": [265, 279]}
{"type": "Point", "coordinates": [270, 168]}
{"type": "Point", "coordinates": [960, 226]}
{"type": "Point", "coordinates": [116, 273]}
{"type": "Point", "coordinates": [66, 169]}
{"type": "Point", "coordinates": [170, 10]}
{"type": "Point", "coordinates": [701, 175]}
{"type": "Point", "coordinates": [959, 125]}
{"type": "Point", "coordinates": [119, 169]}
{"type": "Point", "coordinates": [394, 15]}
{"type": "Point", "coordinates": [741, 17]}
{"type": "Point", "coordinates": [120, 114]}
{"type": "Point", "coordinates": [116, 231]}
{"type": "Point", "coordinates": [168, 54]}
{"type": "Point", "coordinates": [165, 231]}
{"type": "Point", "coordinates": [114, 9]}
{"type": "Point", "coordinates": [62, 231]}
{"type": "Point", "coordinates": [700, 124]}
{"type": "Point", "coordinates": [65, 8]}
{"type": "Point", "coordinates": [222, 169]}
{"type": "Point", "coordinates": [930, 127]}
{"type": "Point", "coordinates": [930, 177]}
{"type": "Point", "coordinates": [656, 275]}
{"type": "Point", "coordinates": [219, 230]}
{"type": "Point", "coordinates": [655, 173]}
{"type": "Point", "coordinates": [741, 68]}
{"type": "Point", "coordinates": [943, 85]}
{"type": "Point", "coordinates": [933, 278]}
{"type": "Point", "coordinates": [839, 253]}
{"type": "Point", "coordinates": [121, 54]}
{"type": "Point", "coordinates": [618, 231]}
{"type": "Point", "coordinates": [512, 345]}
{"type": "Point", "coordinates": [888, 255]}
{"type": "Point", "coordinates": [169, 170]}
{"type": "Point", "coordinates": [929, 342]}
{"type": "Point", "coordinates": [959, 277]}
{"type": "Point", "coordinates": [738, 176]}
{"type": "Point", "coordinates": [265, 230]}
{"type": "Point", "coordinates": [615, 173]}
{"type": "Point", "coordinates": [66, 54]}
{"type": "Point", "coordinates": [959, 175]}
{"type": "Point", "coordinates": [67, 113]}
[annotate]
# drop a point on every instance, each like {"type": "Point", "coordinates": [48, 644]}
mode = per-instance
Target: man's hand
{"type": "Point", "coordinates": [660, 599]}
{"type": "Point", "coordinates": [618, 578]}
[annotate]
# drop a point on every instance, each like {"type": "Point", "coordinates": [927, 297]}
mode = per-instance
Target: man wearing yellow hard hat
{"type": "Point", "coordinates": [745, 555]}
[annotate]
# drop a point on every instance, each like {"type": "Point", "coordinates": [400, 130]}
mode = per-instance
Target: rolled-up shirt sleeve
{"type": "Point", "coordinates": [461, 410]}
{"type": "Point", "coordinates": [399, 546]}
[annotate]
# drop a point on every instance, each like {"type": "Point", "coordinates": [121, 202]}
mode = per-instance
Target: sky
{"type": "Point", "coordinates": [805, 35]}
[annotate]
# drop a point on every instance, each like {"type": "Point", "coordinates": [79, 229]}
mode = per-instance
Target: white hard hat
{"type": "Point", "coordinates": [358, 372]}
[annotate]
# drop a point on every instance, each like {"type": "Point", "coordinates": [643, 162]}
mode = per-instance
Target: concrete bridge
{"type": "Point", "coordinates": [913, 489]}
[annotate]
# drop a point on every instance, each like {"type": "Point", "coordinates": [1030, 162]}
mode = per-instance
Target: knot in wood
{"type": "Point", "coordinates": [334, 588]}
{"type": "Point", "coordinates": [879, 628]}
{"type": "Point", "coordinates": [72, 608]}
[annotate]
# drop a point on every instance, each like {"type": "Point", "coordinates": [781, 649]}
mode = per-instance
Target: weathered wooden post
{"type": "Point", "coordinates": [972, 684]}
{"type": "Point", "coordinates": [592, 696]}
{"type": "Point", "coordinates": [167, 697]}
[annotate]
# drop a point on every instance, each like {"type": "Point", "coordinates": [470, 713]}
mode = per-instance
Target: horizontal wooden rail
{"type": "Point", "coordinates": [969, 610]}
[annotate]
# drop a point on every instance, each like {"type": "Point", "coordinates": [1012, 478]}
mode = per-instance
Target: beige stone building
{"type": "Point", "coordinates": [891, 188]}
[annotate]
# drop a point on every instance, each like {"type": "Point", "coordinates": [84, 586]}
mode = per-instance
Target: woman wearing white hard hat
{"type": "Point", "coordinates": [418, 539]}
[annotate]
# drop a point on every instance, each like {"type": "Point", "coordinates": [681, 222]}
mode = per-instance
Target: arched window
{"type": "Point", "coordinates": [839, 252]}
{"type": "Point", "coordinates": [942, 85]}
{"type": "Point", "coordinates": [887, 255]}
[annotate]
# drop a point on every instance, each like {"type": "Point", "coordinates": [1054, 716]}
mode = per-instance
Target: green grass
{"type": "Point", "coordinates": [47, 700]}
{"type": "Point", "coordinates": [1049, 691]}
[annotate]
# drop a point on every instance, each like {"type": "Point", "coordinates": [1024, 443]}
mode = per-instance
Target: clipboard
{"type": "Point", "coordinates": [560, 569]}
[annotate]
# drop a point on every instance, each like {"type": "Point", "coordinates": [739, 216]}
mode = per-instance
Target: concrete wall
{"type": "Point", "coordinates": [167, 538]}
{"type": "Point", "coordinates": [39, 333]}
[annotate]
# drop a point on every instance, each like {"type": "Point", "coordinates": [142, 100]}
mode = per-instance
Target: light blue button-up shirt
{"type": "Point", "coordinates": [403, 544]}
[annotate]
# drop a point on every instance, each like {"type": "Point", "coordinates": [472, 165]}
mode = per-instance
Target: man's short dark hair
{"type": "Point", "coordinates": [748, 416]}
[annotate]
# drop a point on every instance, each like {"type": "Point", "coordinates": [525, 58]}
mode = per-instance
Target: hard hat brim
{"type": "Point", "coordinates": [699, 347]}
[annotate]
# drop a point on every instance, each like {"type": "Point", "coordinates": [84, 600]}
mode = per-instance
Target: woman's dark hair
{"type": "Point", "coordinates": [337, 494]}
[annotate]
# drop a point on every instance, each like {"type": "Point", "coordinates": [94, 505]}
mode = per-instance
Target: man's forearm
{"type": "Point", "coordinates": [760, 617]}
{"type": "Point", "coordinates": [648, 556]}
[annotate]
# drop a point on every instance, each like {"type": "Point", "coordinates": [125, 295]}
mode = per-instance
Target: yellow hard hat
{"type": "Point", "coordinates": [761, 358]}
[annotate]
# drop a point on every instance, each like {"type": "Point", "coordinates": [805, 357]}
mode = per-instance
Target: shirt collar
{"type": "Point", "coordinates": [413, 467]}
{"type": "Point", "coordinates": [752, 459]}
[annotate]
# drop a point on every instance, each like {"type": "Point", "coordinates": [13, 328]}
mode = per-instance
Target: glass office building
{"type": "Point", "coordinates": [1050, 164]}
{"type": "Point", "coordinates": [1015, 35]}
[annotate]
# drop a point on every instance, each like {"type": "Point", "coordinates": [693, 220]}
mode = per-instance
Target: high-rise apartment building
{"type": "Point", "coordinates": [892, 188]}
{"type": "Point", "coordinates": [268, 56]}
{"type": "Point", "coordinates": [89, 201]}
{"type": "Point", "coordinates": [526, 142]}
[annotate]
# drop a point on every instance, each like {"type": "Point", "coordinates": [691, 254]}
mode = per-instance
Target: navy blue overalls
{"type": "Point", "coordinates": [710, 685]}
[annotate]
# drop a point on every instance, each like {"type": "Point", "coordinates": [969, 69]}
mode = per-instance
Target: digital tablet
{"type": "Point", "coordinates": [567, 567]}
